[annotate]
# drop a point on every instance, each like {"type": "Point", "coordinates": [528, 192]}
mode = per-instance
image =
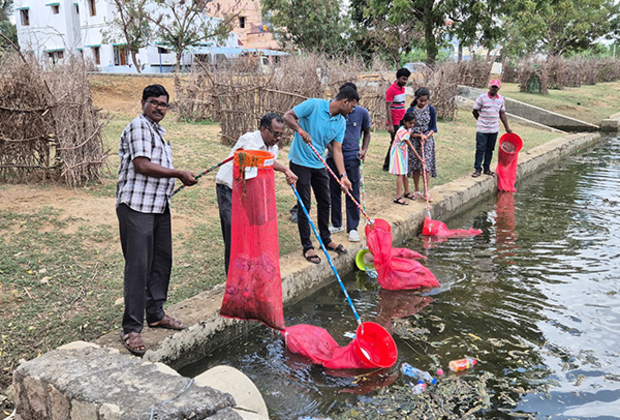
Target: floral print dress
{"type": "Point", "coordinates": [422, 125]}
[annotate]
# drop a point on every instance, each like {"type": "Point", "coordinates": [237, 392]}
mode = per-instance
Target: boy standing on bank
{"type": "Point", "coordinates": [489, 108]}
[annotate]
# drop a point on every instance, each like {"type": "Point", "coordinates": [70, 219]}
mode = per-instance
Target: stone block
{"type": "Point", "coordinates": [36, 396]}
{"type": "Point", "coordinates": [109, 412]}
{"type": "Point", "coordinates": [82, 410]}
{"type": "Point", "coordinates": [58, 404]}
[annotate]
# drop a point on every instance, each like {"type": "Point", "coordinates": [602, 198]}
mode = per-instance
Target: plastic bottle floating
{"type": "Point", "coordinates": [418, 374]}
{"type": "Point", "coordinates": [462, 364]}
{"type": "Point", "coordinates": [419, 388]}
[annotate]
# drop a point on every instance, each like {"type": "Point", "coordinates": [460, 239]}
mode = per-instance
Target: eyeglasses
{"type": "Point", "coordinates": [276, 135]}
{"type": "Point", "coordinates": [157, 104]}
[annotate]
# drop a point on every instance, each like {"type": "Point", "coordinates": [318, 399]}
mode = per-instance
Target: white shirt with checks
{"type": "Point", "coordinates": [144, 138]}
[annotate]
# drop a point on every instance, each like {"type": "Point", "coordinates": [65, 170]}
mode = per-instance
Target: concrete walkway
{"type": "Point", "coordinates": [207, 330]}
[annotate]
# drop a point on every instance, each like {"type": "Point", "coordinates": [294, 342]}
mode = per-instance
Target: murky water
{"type": "Point", "coordinates": [535, 299]}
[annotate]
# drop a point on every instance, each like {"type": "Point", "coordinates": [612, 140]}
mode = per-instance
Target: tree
{"type": "Point", "coordinates": [6, 27]}
{"type": "Point", "coordinates": [131, 24]}
{"type": "Point", "coordinates": [186, 23]}
{"type": "Point", "coordinates": [556, 27]}
{"type": "Point", "coordinates": [312, 25]}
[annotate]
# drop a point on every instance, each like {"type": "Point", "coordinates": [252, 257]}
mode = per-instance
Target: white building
{"type": "Point", "coordinates": [54, 29]}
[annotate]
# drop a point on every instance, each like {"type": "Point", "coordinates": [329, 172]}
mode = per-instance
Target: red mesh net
{"type": "Point", "coordinates": [507, 161]}
{"type": "Point", "coordinates": [254, 285]}
{"type": "Point", "coordinates": [439, 229]}
{"type": "Point", "coordinates": [372, 347]}
{"type": "Point", "coordinates": [395, 273]}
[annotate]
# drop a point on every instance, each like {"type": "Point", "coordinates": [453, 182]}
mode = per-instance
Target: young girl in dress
{"type": "Point", "coordinates": [422, 136]}
{"type": "Point", "coordinates": [398, 158]}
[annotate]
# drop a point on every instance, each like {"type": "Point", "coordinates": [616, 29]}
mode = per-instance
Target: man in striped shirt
{"type": "Point", "coordinates": [145, 183]}
{"type": "Point", "coordinates": [489, 108]}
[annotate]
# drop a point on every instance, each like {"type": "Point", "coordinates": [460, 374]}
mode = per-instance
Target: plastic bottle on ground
{"type": "Point", "coordinates": [415, 373]}
{"type": "Point", "coordinates": [419, 388]}
{"type": "Point", "coordinates": [462, 364]}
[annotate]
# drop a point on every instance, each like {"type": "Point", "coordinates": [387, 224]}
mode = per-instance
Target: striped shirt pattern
{"type": "Point", "coordinates": [489, 108]}
{"type": "Point", "coordinates": [144, 138]}
{"type": "Point", "coordinates": [396, 95]}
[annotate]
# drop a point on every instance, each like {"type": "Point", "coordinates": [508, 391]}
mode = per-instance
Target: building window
{"type": "Point", "coordinates": [56, 56]}
{"type": "Point", "coordinates": [92, 7]}
{"type": "Point", "coordinates": [120, 56]}
{"type": "Point", "coordinates": [161, 50]}
{"type": "Point", "coordinates": [96, 55]}
{"type": "Point", "coordinates": [55, 9]}
{"type": "Point", "coordinates": [25, 17]}
{"type": "Point", "coordinates": [242, 22]}
{"type": "Point", "coordinates": [77, 9]}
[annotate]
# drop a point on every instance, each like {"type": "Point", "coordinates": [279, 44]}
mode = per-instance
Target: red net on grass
{"type": "Point", "coordinates": [395, 273]}
{"type": "Point", "coordinates": [254, 285]}
{"type": "Point", "coordinates": [439, 229]}
{"type": "Point", "coordinates": [507, 161]}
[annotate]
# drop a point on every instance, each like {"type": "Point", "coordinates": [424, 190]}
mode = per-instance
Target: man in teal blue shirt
{"type": "Point", "coordinates": [318, 122]}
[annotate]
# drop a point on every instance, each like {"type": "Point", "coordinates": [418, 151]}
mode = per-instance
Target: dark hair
{"type": "Point", "coordinates": [348, 84]}
{"type": "Point", "coordinates": [154, 91]}
{"type": "Point", "coordinates": [408, 117]}
{"type": "Point", "coordinates": [348, 93]}
{"type": "Point", "coordinates": [268, 118]}
{"type": "Point", "coordinates": [403, 72]}
{"type": "Point", "coordinates": [419, 93]}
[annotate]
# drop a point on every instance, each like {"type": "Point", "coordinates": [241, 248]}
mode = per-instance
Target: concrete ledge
{"type": "Point", "coordinates": [468, 105]}
{"type": "Point", "coordinates": [90, 383]}
{"type": "Point", "coordinates": [611, 124]}
{"type": "Point", "coordinates": [209, 331]}
{"type": "Point", "coordinates": [534, 113]}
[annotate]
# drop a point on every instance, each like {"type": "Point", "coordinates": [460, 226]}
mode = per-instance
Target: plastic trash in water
{"type": "Point", "coordinates": [416, 373]}
{"type": "Point", "coordinates": [314, 418]}
{"type": "Point", "coordinates": [419, 388]}
{"type": "Point", "coordinates": [349, 334]}
{"type": "Point", "coordinates": [462, 364]}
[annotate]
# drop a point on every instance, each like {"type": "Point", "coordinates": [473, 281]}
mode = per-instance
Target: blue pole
{"type": "Point", "coordinates": [329, 259]}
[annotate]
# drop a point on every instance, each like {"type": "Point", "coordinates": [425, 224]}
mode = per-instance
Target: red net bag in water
{"type": "Point", "coordinates": [507, 161]}
{"type": "Point", "coordinates": [395, 273]}
{"type": "Point", "coordinates": [439, 229]}
{"type": "Point", "coordinates": [372, 347]}
{"type": "Point", "coordinates": [254, 285]}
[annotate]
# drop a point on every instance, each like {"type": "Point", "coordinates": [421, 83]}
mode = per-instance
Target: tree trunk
{"type": "Point", "coordinates": [460, 52]}
{"type": "Point", "coordinates": [429, 36]}
{"type": "Point", "coordinates": [135, 61]}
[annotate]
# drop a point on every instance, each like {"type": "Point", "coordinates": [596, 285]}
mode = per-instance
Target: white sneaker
{"type": "Point", "coordinates": [354, 236]}
{"type": "Point", "coordinates": [334, 229]}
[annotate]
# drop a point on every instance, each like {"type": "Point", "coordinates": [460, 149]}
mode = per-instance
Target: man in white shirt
{"type": "Point", "coordinates": [489, 109]}
{"type": "Point", "coordinates": [266, 138]}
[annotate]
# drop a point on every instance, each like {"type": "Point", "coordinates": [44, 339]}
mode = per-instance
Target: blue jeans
{"type": "Point", "coordinates": [485, 144]}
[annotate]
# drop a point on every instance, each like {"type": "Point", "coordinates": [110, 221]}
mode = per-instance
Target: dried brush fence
{"type": "Point", "coordinates": [474, 73]}
{"type": "Point", "coordinates": [532, 76]}
{"type": "Point", "coordinates": [236, 95]}
{"type": "Point", "coordinates": [49, 128]}
{"type": "Point", "coordinates": [509, 71]}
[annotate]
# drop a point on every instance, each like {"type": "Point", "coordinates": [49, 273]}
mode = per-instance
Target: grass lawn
{"type": "Point", "coordinates": [589, 103]}
{"type": "Point", "coordinates": [61, 267]}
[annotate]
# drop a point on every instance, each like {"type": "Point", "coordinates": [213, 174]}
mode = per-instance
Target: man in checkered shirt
{"type": "Point", "coordinates": [146, 179]}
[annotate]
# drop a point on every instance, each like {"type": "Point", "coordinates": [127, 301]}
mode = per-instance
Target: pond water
{"type": "Point", "coordinates": [535, 299]}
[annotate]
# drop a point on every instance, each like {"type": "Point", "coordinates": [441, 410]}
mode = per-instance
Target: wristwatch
{"type": "Point", "coordinates": [342, 175]}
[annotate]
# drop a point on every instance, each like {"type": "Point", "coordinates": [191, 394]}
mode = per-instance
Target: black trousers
{"type": "Point", "coordinates": [146, 240]}
{"type": "Point", "coordinates": [224, 203]}
{"type": "Point", "coordinates": [318, 181]}
{"type": "Point", "coordinates": [485, 144]}
{"type": "Point", "coordinates": [352, 167]}
{"type": "Point", "coordinates": [386, 162]}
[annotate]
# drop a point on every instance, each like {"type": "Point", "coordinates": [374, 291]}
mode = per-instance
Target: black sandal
{"type": "Point", "coordinates": [338, 250]}
{"type": "Point", "coordinates": [400, 201]}
{"type": "Point", "coordinates": [409, 196]}
{"type": "Point", "coordinates": [314, 259]}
